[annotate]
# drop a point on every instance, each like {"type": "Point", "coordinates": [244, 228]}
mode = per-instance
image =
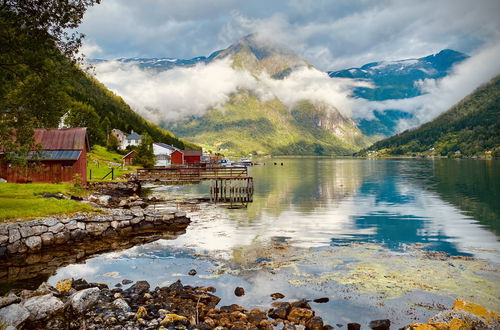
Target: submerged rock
{"type": "Point", "coordinates": [239, 291]}
{"type": "Point", "coordinates": [380, 325]}
{"type": "Point", "coordinates": [277, 295]}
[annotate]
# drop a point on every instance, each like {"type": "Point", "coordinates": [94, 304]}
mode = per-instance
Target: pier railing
{"type": "Point", "coordinates": [190, 173]}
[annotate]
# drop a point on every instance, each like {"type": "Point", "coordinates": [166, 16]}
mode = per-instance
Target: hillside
{"type": "Point", "coordinates": [471, 127]}
{"type": "Point", "coordinates": [246, 124]}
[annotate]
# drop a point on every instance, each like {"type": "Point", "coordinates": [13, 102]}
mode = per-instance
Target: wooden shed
{"type": "Point", "coordinates": [128, 159]}
{"type": "Point", "coordinates": [177, 157]}
{"type": "Point", "coordinates": [63, 156]}
{"type": "Point", "coordinates": [192, 156]}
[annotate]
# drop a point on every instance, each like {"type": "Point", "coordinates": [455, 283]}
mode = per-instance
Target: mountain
{"type": "Point", "coordinates": [246, 124]}
{"type": "Point", "coordinates": [396, 80]}
{"type": "Point", "coordinates": [471, 127]}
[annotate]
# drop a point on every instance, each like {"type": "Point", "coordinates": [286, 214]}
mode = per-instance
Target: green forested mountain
{"type": "Point", "coordinates": [471, 127]}
{"type": "Point", "coordinates": [245, 124]}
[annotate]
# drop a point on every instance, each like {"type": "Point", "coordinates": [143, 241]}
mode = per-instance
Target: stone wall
{"type": "Point", "coordinates": [118, 189]}
{"type": "Point", "coordinates": [28, 236]}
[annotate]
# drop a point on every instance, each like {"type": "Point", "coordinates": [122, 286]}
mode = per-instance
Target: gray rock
{"type": "Point", "coordinates": [56, 228]}
{"type": "Point", "coordinates": [4, 239]}
{"type": "Point", "coordinates": [14, 235]}
{"type": "Point", "coordinates": [180, 214]}
{"type": "Point", "coordinates": [84, 299]}
{"type": "Point", "coordinates": [121, 304]}
{"type": "Point", "coordinates": [50, 222]}
{"type": "Point", "coordinates": [137, 211]}
{"type": "Point", "coordinates": [81, 225]}
{"type": "Point", "coordinates": [97, 227]}
{"type": "Point", "coordinates": [72, 225]}
{"type": "Point", "coordinates": [78, 234]}
{"type": "Point", "coordinates": [33, 242]}
{"type": "Point", "coordinates": [14, 247]}
{"type": "Point", "coordinates": [42, 306]}
{"type": "Point", "coordinates": [380, 324]}
{"type": "Point", "coordinates": [27, 231]}
{"type": "Point", "coordinates": [14, 315]}
{"type": "Point", "coordinates": [9, 300]}
{"type": "Point", "coordinates": [47, 238]}
{"type": "Point", "coordinates": [136, 220]}
{"type": "Point", "coordinates": [62, 237]}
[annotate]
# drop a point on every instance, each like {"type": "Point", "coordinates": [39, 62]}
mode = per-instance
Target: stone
{"type": "Point", "coordinates": [141, 312]}
{"type": "Point", "coordinates": [56, 228]}
{"type": "Point", "coordinates": [300, 315]}
{"type": "Point", "coordinates": [180, 214]}
{"type": "Point", "coordinates": [80, 284]}
{"type": "Point", "coordinates": [136, 220]}
{"type": "Point", "coordinates": [80, 225]}
{"type": "Point", "coordinates": [97, 227]}
{"type": "Point", "coordinates": [14, 235]}
{"type": "Point", "coordinates": [301, 304]}
{"type": "Point", "coordinates": [170, 319]}
{"type": "Point", "coordinates": [3, 251]}
{"type": "Point", "coordinates": [84, 299]}
{"type": "Point", "coordinates": [315, 323]}
{"type": "Point", "coordinates": [72, 225]}
{"type": "Point", "coordinates": [353, 326]}
{"type": "Point", "coordinates": [380, 324]}
{"type": "Point", "coordinates": [41, 307]}
{"type": "Point", "coordinates": [139, 288]}
{"type": "Point", "coordinates": [9, 300]}
{"type": "Point", "coordinates": [321, 300]}
{"type": "Point", "coordinates": [14, 247]}
{"type": "Point", "coordinates": [239, 291]}
{"type": "Point", "coordinates": [47, 238]}
{"type": "Point", "coordinates": [14, 315]}
{"type": "Point", "coordinates": [280, 311]}
{"type": "Point", "coordinates": [33, 242]}
{"type": "Point", "coordinates": [64, 285]}
{"type": "Point", "coordinates": [62, 237]}
{"type": "Point", "coordinates": [78, 234]}
{"type": "Point", "coordinates": [4, 239]}
{"type": "Point", "coordinates": [125, 282]}
{"type": "Point", "coordinates": [192, 272]}
{"type": "Point", "coordinates": [256, 316]}
{"type": "Point", "coordinates": [277, 295]}
{"type": "Point", "coordinates": [121, 304]}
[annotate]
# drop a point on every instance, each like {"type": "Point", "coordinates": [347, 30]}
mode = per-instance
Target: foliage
{"type": "Point", "coordinates": [100, 161]}
{"type": "Point", "coordinates": [469, 128]}
{"type": "Point", "coordinates": [145, 156]}
{"type": "Point", "coordinates": [113, 144]}
{"type": "Point", "coordinates": [26, 201]}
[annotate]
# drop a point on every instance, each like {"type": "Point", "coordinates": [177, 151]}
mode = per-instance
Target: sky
{"type": "Point", "coordinates": [330, 34]}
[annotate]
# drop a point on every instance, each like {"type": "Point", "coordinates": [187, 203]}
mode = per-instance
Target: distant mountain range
{"type": "Point", "coordinates": [471, 127]}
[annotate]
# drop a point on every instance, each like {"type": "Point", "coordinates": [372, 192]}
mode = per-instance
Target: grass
{"type": "Point", "coordinates": [100, 161]}
{"type": "Point", "coordinates": [25, 201]}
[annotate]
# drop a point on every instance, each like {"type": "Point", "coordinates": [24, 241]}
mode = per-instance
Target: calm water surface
{"type": "Point", "coordinates": [365, 233]}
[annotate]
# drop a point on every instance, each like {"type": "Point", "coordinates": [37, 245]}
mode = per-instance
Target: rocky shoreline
{"type": "Point", "coordinates": [77, 304]}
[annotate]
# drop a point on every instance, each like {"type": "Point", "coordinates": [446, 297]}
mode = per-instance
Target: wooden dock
{"type": "Point", "coordinates": [232, 190]}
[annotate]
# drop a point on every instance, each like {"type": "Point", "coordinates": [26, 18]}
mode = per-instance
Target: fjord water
{"type": "Point", "coordinates": [380, 238]}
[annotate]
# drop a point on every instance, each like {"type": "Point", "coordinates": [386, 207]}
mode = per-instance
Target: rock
{"type": "Point", "coordinates": [125, 282]}
{"type": "Point", "coordinates": [301, 304]}
{"type": "Point", "coordinates": [71, 225]}
{"type": "Point", "coordinates": [353, 326]}
{"type": "Point", "coordinates": [139, 288]}
{"type": "Point", "coordinates": [14, 235]}
{"type": "Point", "coordinates": [56, 228]}
{"type": "Point", "coordinates": [121, 304]}
{"type": "Point", "coordinates": [9, 300]}
{"type": "Point", "coordinates": [78, 234]}
{"type": "Point", "coordinates": [171, 319]}
{"type": "Point", "coordinates": [14, 247]}
{"type": "Point", "coordinates": [315, 323]}
{"type": "Point", "coordinates": [14, 315]}
{"type": "Point", "coordinates": [64, 285]}
{"type": "Point", "coordinates": [277, 295]}
{"type": "Point", "coordinates": [280, 311]}
{"type": "Point", "coordinates": [289, 327]}
{"type": "Point", "coordinates": [380, 324]}
{"type": "Point", "coordinates": [80, 284]}
{"type": "Point", "coordinates": [62, 237]}
{"type": "Point", "coordinates": [4, 239]}
{"type": "Point", "coordinates": [256, 316]}
{"type": "Point", "coordinates": [84, 299]}
{"type": "Point", "coordinates": [33, 242]}
{"type": "Point", "coordinates": [97, 227]}
{"type": "Point", "coordinates": [47, 238]}
{"type": "Point", "coordinates": [239, 291]}
{"type": "Point", "coordinates": [41, 307]}
{"type": "Point", "coordinates": [192, 272]}
{"type": "Point", "coordinates": [321, 300]}
{"type": "Point", "coordinates": [300, 315]}
{"type": "Point", "coordinates": [141, 312]}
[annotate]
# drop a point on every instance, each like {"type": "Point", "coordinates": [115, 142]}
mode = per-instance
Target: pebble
{"type": "Point", "coordinates": [239, 291]}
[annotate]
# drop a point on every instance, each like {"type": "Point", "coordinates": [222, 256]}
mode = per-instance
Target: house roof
{"type": "Point", "coordinates": [130, 154]}
{"type": "Point", "coordinates": [62, 139]}
{"type": "Point", "coordinates": [134, 136]}
{"type": "Point", "coordinates": [166, 146]}
{"type": "Point", "coordinates": [198, 152]}
{"type": "Point", "coordinates": [55, 155]}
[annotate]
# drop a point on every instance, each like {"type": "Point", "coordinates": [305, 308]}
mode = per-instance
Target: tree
{"type": "Point", "coordinates": [37, 55]}
{"type": "Point", "coordinates": [84, 115]}
{"type": "Point", "coordinates": [145, 155]}
{"type": "Point", "coordinates": [113, 144]}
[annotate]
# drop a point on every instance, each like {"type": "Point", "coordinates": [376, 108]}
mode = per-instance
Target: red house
{"type": "Point", "coordinates": [63, 156]}
{"type": "Point", "coordinates": [192, 156]}
{"type": "Point", "coordinates": [177, 157]}
{"type": "Point", "coordinates": [128, 159]}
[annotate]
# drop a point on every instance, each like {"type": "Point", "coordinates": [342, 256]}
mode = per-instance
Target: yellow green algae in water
{"type": "Point", "coordinates": [389, 275]}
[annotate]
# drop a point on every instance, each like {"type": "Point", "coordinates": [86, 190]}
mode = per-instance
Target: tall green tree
{"type": "Point", "coordinates": [145, 155]}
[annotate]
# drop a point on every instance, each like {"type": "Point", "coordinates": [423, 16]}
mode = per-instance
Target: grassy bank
{"type": "Point", "coordinates": [26, 200]}
{"type": "Point", "coordinates": [101, 161]}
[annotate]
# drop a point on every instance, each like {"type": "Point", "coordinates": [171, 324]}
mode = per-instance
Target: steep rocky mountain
{"type": "Point", "coordinates": [396, 80]}
{"type": "Point", "coordinates": [246, 124]}
{"type": "Point", "coordinates": [471, 127]}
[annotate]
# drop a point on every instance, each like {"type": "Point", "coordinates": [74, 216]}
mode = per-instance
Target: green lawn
{"type": "Point", "coordinates": [100, 161]}
{"type": "Point", "coordinates": [19, 200]}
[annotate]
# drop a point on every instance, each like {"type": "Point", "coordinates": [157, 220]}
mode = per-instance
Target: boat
{"type": "Point", "coordinates": [244, 162]}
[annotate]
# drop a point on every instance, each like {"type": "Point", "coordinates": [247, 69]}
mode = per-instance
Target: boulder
{"type": "Point", "coordinates": [14, 315]}
{"type": "Point", "coordinates": [300, 315]}
{"type": "Point", "coordinates": [14, 235]}
{"type": "Point", "coordinates": [42, 306]}
{"type": "Point", "coordinates": [9, 300]}
{"type": "Point", "coordinates": [62, 237]}
{"type": "Point", "coordinates": [4, 239]}
{"type": "Point", "coordinates": [97, 227]}
{"type": "Point", "coordinates": [139, 288]}
{"type": "Point", "coordinates": [47, 238]}
{"type": "Point", "coordinates": [315, 323]}
{"type": "Point", "coordinates": [280, 311]}
{"type": "Point", "coordinates": [121, 304]}
{"type": "Point", "coordinates": [84, 299]}
{"type": "Point", "coordinates": [33, 242]}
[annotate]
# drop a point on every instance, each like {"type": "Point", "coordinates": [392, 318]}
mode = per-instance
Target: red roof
{"type": "Point", "coordinates": [198, 152]}
{"type": "Point", "coordinates": [62, 139]}
{"type": "Point", "coordinates": [130, 154]}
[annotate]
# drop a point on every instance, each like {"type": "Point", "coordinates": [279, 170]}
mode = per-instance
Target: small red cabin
{"type": "Point", "coordinates": [63, 156]}
{"type": "Point", "coordinates": [177, 157]}
{"type": "Point", "coordinates": [128, 159]}
{"type": "Point", "coordinates": [192, 156]}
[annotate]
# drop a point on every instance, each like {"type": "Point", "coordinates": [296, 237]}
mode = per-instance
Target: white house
{"type": "Point", "coordinates": [162, 153]}
{"type": "Point", "coordinates": [120, 136]}
{"type": "Point", "coordinates": [133, 139]}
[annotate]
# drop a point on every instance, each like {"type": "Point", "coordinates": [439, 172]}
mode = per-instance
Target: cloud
{"type": "Point", "coordinates": [443, 93]}
{"type": "Point", "coordinates": [190, 91]}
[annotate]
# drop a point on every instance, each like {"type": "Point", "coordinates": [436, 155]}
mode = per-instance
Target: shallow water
{"type": "Point", "coordinates": [394, 239]}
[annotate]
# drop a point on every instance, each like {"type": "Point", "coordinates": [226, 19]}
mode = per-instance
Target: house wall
{"type": "Point", "coordinates": [192, 159]}
{"type": "Point", "coordinates": [177, 157]}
